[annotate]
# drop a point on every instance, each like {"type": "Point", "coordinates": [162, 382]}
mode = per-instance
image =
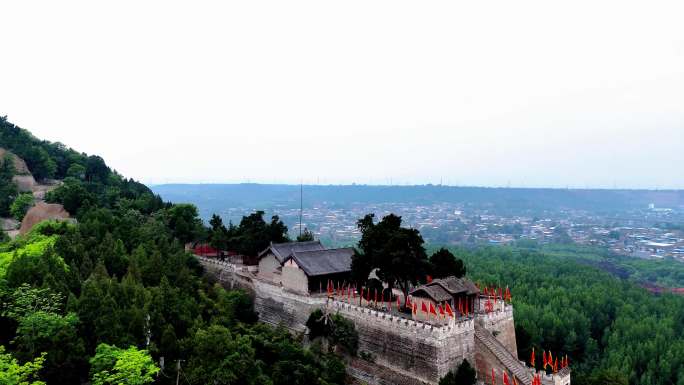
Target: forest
{"type": "Point", "coordinates": [104, 300]}
{"type": "Point", "coordinates": [612, 330]}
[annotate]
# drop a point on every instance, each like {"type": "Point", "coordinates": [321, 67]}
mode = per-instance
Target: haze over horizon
{"type": "Point", "coordinates": [523, 94]}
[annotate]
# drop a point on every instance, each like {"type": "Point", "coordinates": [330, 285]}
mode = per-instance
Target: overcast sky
{"type": "Point", "coordinates": [547, 93]}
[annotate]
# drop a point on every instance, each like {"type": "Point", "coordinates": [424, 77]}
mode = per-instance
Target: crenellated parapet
{"type": "Point", "coordinates": [398, 348]}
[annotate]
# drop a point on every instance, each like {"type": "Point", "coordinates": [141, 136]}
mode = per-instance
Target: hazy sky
{"type": "Point", "coordinates": [547, 93]}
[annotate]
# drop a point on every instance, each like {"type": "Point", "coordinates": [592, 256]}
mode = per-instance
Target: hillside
{"type": "Point", "coordinates": [110, 298]}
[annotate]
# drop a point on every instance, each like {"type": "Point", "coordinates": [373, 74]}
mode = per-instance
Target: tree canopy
{"type": "Point", "coordinates": [443, 264]}
{"type": "Point", "coordinates": [104, 299]}
{"type": "Point", "coordinates": [395, 251]}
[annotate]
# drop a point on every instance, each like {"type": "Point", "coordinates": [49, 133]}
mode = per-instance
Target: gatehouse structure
{"type": "Point", "coordinates": [291, 280]}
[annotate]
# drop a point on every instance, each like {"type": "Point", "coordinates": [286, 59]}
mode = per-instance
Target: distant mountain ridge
{"type": "Point", "coordinates": [287, 196]}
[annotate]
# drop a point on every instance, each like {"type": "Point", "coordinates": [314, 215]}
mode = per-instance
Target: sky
{"type": "Point", "coordinates": [486, 93]}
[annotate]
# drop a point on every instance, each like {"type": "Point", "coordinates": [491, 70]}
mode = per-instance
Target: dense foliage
{"type": "Point", "coordinates": [396, 252]}
{"type": "Point", "coordinates": [612, 330]}
{"type": "Point", "coordinates": [22, 203]}
{"type": "Point", "coordinates": [464, 375]}
{"type": "Point", "coordinates": [8, 189]}
{"type": "Point", "coordinates": [250, 237]}
{"type": "Point", "coordinates": [337, 330]}
{"type": "Point", "coordinates": [105, 299]}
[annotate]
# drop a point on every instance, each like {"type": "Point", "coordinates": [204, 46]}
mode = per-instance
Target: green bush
{"type": "Point", "coordinates": [338, 330]}
{"type": "Point", "coordinates": [464, 375]}
{"type": "Point", "coordinates": [21, 205]}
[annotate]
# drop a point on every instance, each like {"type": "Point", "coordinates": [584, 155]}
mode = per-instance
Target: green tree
{"type": "Point", "coordinates": [254, 234]}
{"type": "Point", "coordinates": [22, 203]}
{"type": "Point", "coordinates": [444, 264]}
{"type": "Point", "coordinates": [338, 330]}
{"type": "Point", "coordinates": [464, 375]}
{"type": "Point", "coordinates": [397, 252]}
{"type": "Point", "coordinates": [8, 189]}
{"type": "Point", "coordinates": [76, 171]}
{"type": "Point", "coordinates": [184, 223]}
{"type": "Point", "coordinates": [12, 373]}
{"type": "Point", "coordinates": [113, 366]}
{"type": "Point", "coordinates": [219, 357]}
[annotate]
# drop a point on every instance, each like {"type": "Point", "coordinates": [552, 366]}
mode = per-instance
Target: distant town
{"type": "Point", "coordinates": [647, 233]}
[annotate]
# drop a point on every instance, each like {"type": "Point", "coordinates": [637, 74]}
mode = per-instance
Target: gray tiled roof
{"type": "Point", "coordinates": [457, 285]}
{"type": "Point", "coordinates": [326, 261]}
{"type": "Point", "coordinates": [435, 292]}
{"type": "Point", "coordinates": [284, 250]}
{"type": "Point", "coordinates": [445, 288]}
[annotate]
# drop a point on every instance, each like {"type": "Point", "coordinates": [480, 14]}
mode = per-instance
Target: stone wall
{"type": "Point", "coordinates": [415, 349]}
{"type": "Point", "coordinates": [277, 306]}
{"type": "Point", "coordinates": [403, 351]}
{"type": "Point", "coordinates": [502, 325]}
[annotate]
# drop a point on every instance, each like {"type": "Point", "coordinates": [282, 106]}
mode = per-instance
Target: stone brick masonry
{"type": "Point", "coordinates": [404, 351]}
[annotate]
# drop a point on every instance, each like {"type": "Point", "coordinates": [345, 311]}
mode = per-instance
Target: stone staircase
{"type": "Point", "coordinates": [513, 366]}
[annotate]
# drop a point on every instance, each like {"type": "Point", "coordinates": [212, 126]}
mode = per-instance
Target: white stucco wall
{"type": "Point", "coordinates": [293, 278]}
{"type": "Point", "coordinates": [268, 266]}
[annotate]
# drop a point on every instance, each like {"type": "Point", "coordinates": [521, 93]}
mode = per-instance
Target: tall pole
{"type": "Point", "coordinates": [301, 206]}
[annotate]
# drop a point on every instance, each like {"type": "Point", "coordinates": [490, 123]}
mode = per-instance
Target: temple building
{"type": "Point", "coordinates": [459, 293]}
{"type": "Point", "coordinates": [304, 267]}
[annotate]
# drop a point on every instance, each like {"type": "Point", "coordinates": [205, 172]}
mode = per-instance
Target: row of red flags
{"type": "Point", "coordinates": [349, 292]}
{"type": "Point", "coordinates": [496, 293]}
{"type": "Point", "coordinates": [510, 380]}
{"type": "Point", "coordinates": [506, 379]}
{"type": "Point", "coordinates": [548, 361]}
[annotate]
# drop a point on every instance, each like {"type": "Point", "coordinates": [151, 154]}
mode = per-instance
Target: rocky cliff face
{"type": "Point", "coordinates": [41, 212]}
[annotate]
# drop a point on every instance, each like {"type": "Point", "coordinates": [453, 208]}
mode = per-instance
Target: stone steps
{"type": "Point", "coordinates": [513, 366]}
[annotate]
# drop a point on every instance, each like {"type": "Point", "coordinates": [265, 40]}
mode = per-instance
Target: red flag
{"type": "Point", "coordinates": [486, 292]}
{"type": "Point", "coordinates": [460, 306]}
{"type": "Point", "coordinates": [514, 381]}
{"type": "Point", "coordinates": [493, 377]}
{"type": "Point", "coordinates": [414, 308]}
{"type": "Point", "coordinates": [532, 358]}
{"type": "Point", "coordinates": [555, 366]}
{"type": "Point", "coordinates": [544, 359]}
{"type": "Point", "coordinates": [440, 309]}
{"type": "Point", "coordinates": [398, 303]}
{"type": "Point", "coordinates": [467, 306]}
{"type": "Point", "coordinates": [432, 309]}
{"type": "Point", "coordinates": [505, 379]}
{"type": "Point", "coordinates": [428, 278]}
{"type": "Point", "coordinates": [449, 311]}
{"type": "Point", "coordinates": [423, 307]}
{"type": "Point", "coordinates": [550, 359]}
{"type": "Point", "coordinates": [408, 301]}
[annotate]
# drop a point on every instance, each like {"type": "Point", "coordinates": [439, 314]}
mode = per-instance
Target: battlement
{"type": "Point", "coordinates": [401, 324]}
{"type": "Point", "coordinates": [415, 351]}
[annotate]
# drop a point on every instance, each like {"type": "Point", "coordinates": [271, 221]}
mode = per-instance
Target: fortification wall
{"type": "Point", "coordinates": [415, 349]}
{"type": "Point", "coordinates": [502, 326]}
{"type": "Point", "coordinates": [405, 351]}
{"type": "Point", "coordinates": [277, 306]}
